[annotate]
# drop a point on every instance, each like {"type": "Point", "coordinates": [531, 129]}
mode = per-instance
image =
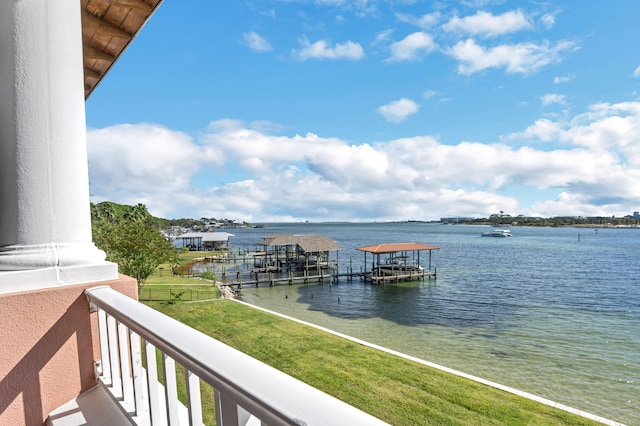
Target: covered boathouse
{"type": "Point", "coordinates": [397, 262]}
{"type": "Point", "coordinates": [299, 252]}
{"type": "Point", "coordinates": [204, 241]}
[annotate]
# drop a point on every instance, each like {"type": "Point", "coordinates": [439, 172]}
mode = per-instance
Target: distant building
{"type": "Point", "coordinates": [456, 219]}
{"type": "Point", "coordinates": [636, 215]}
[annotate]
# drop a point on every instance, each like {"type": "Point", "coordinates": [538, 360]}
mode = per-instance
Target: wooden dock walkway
{"type": "Point", "coordinates": [273, 279]}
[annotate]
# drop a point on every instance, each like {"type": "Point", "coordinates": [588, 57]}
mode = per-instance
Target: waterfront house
{"type": "Point", "coordinates": [71, 328]}
{"type": "Point", "coordinates": [206, 241]}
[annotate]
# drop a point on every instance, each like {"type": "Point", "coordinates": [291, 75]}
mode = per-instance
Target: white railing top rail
{"type": "Point", "coordinates": [267, 393]}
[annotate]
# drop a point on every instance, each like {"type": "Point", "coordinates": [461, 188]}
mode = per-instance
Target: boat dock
{"type": "Point", "coordinates": [274, 278]}
{"type": "Point", "coordinates": [295, 259]}
{"type": "Point", "coordinates": [397, 262]}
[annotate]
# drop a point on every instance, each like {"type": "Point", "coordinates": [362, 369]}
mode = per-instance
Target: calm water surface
{"type": "Point", "coordinates": [552, 311]}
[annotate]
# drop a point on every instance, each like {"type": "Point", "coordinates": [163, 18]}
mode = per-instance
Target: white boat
{"type": "Point", "coordinates": [501, 233]}
{"type": "Point", "coordinates": [400, 265]}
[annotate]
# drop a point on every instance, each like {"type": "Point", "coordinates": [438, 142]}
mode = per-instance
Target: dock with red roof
{"type": "Point", "coordinates": [397, 262]}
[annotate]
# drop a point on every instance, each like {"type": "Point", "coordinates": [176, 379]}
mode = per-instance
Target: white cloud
{"type": "Point", "coordinates": [144, 163]}
{"type": "Point", "coordinates": [425, 22]}
{"type": "Point", "coordinates": [270, 13]}
{"type": "Point", "coordinates": [256, 42]}
{"type": "Point", "coordinates": [322, 50]}
{"type": "Point", "coordinates": [543, 129]}
{"type": "Point", "coordinates": [600, 178]}
{"type": "Point", "coordinates": [412, 47]}
{"type": "Point", "coordinates": [563, 78]}
{"type": "Point", "coordinates": [609, 128]}
{"type": "Point", "coordinates": [592, 159]}
{"type": "Point", "coordinates": [353, 166]}
{"type": "Point", "coordinates": [522, 58]}
{"type": "Point", "coordinates": [225, 124]}
{"type": "Point", "coordinates": [553, 98]}
{"type": "Point", "coordinates": [399, 110]}
{"type": "Point", "coordinates": [382, 37]}
{"type": "Point", "coordinates": [636, 72]}
{"type": "Point", "coordinates": [331, 2]}
{"type": "Point", "coordinates": [485, 24]}
{"type": "Point", "coordinates": [565, 204]}
{"type": "Point", "coordinates": [429, 94]}
{"type": "Point", "coordinates": [548, 20]}
{"type": "Point", "coordinates": [475, 4]}
{"type": "Point", "coordinates": [604, 128]}
{"type": "Point", "coordinates": [361, 8]}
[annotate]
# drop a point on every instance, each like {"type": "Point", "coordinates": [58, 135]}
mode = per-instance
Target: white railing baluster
{"type": "Point", "coordinates": [171, 389]}
{"type": "Point", "coordinates": [116, 384]}
{"type": "Point", "coordinates": [125, 371]}
{"type": "Point", "coordinates": [194, 398]}
{"type": "Point", "coordinates": [158, 415]}
{"type": "Point", "coordinates": [139, 384]}
{"type": "Point", "coordinates": [246, 391]}
{"type": "Point", "coordinates": [104, 347]}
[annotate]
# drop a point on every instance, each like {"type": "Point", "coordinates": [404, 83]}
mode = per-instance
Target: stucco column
{"type": "Point", "coordinates": [44, 185]}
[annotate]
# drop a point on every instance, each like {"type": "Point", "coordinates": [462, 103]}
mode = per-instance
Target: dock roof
{"type": "Point", "coordinates": [396, 247]}
{"type": "Point", "coordinates": [207, 236]}
{"type": "Point", "coordinates": [308, 243]}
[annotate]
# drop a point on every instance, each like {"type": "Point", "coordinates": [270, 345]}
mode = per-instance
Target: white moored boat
{"type": "Point", "coordinates": [400, 264]}
{"type": "Point", "coordinates": [497, 233]}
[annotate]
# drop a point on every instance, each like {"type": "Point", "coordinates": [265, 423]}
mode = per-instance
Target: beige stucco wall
{"type": "Point", "coordinates": [48, 342]}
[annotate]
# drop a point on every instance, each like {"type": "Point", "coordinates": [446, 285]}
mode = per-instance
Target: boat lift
{"type": "Point", "coordinates": [397, 262]}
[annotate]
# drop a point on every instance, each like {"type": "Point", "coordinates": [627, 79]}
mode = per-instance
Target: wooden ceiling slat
{"type": "Point", "coordinates": [108, 26]}
{"type": "Point", "coordinates": [90, 53]}
{"type": "Point", "coordinates": [88, 72]}
{"type": "Point", "coordinates": [135, 4]}
{"type": "Point", "coordinates": [102, 27]}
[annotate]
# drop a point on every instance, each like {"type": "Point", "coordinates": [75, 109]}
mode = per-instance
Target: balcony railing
{"type": "Point", "coordinates": [246, 391]}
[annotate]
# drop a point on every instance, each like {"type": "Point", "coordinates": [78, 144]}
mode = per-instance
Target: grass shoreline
{"type": "Point", "coordinates": [397, 390]}
{"type": "Point", "coordinates": [393, 352]}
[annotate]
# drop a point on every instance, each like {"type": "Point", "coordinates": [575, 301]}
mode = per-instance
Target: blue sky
{"type": "Point", "coordinates": [363, 110]}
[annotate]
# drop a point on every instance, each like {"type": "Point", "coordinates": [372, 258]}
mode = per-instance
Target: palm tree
{"type": "Point", "coordinates": [137, 213]}
{"type": "Point", "coordinates": [103, 211]}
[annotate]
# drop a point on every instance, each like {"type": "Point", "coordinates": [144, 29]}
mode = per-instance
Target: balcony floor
{"type": "Point", "coordinates": [93, 407]}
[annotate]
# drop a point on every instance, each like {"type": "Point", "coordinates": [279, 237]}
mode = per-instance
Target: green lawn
{"type": "Point", "coordinates": [166, 287]}
{"type": "Point", "coordinates": [396, 390]}
{"type": "Point", "coordinates": [162, 285]}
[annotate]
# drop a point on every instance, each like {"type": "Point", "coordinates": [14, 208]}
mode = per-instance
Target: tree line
{"type": "Point", "coordinates": [595, 221]}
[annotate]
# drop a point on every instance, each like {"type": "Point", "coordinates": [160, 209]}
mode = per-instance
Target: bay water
{"type": "Point", "coordinates": [550, 311]}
